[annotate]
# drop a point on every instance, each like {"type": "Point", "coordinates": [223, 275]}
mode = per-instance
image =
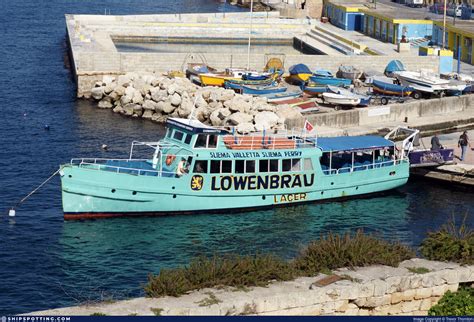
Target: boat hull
{"type": "Point", "coordinates": [87, 193]}
{"type": "Point", "coordinates": [330, 81]}
{"type": "Point", "coordinates": [214, 80]}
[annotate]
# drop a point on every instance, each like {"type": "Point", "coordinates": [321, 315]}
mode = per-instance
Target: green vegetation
{"type": "Point", "coordinates": [418, 270]}
{"type": "Point", "coordinates": [350, 250]}
{"type": "Point", "coordinates": [455, 304]}
{"type": "Point", "coordinates": [450, 243]}
{"type": "Point", "coordinates": [98, 314]}
{"type": "Point", "coordinates": [208, 301]}
{"type": "Point", "coordinates": [231, 270]}
{"type": "Point", "coordinates": [322, 255]}
{"type": "Point", "coordinates": [156, 310]}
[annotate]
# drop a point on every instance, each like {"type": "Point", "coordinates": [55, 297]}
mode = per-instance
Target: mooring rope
{"type": "Point", "coordinates": [12, 210]}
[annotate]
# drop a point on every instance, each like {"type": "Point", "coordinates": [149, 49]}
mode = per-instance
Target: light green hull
{"type": "Point", "coordinates": [94, 193]}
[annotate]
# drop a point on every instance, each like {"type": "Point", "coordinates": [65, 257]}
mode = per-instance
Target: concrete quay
{"type": "Point", "coordinates": [373, 290]}
{"type": "Point", "coordinates": [94, 55]}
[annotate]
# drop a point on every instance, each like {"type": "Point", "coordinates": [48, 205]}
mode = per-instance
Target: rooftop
{"type": "Point", "coordinates": [396, 13]}
{"type": "Point", "coordinates": [349, 143]}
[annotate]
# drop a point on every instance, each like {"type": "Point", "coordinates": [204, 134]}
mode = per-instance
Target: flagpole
{"type": "Point", "coordinates": [250, 35]}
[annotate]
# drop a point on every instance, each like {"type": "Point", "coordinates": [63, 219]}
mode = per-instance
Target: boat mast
{"type": "Point", "coordinates": [444, 24]}
{"type": "Point", "coordinates": [250, 35]}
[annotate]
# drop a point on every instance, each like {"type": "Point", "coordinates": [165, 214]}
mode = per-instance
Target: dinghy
{"type": "Point", "coordinates": [299, 74]}
{"type": "Point", "coordinates": [349, 72]}
{"type": "Point", "coordinates": [254, 90]}
{"type": "Point", "coordinates": [324, 77]}
{"type": "Point", "coordinates": [390, 89]}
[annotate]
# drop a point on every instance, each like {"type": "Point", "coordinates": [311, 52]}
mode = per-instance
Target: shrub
{"type": "Point", "coordinates": [232, 270]}
{"type": "Point", "coordinates": [450, 243]}
{"type": "Point", "coordinates": [237, 271]}
{"type": "Point", "coordinates": [350, 250]}
{"type": "Point", "coordinates": [455, 304]}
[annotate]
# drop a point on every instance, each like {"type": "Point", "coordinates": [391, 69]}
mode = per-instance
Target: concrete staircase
{"type": "Point", "coordinates": [330, 40]}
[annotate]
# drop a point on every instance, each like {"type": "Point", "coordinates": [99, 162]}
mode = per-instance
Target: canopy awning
{"type": "Point", "coordinates": [352, 143]}
{"type": "Point", "coordinates": [193, 126]}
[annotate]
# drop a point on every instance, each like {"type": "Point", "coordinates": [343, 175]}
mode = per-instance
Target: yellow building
{"type": "Point", "coordinates": [457, 37]}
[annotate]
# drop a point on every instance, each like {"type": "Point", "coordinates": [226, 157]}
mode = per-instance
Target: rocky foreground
{"type": "Point", "coordinates": [157, 97]}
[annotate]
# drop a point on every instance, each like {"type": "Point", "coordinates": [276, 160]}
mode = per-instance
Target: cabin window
{"type": "Point", "coordinates": [263, 165]}
{"type": "Point", "coordinates": [308, 164]}
{"type": "Point", "coordinates": [274, 165]}
{"type": "Point", "coordinates": [221, 166]}
{"type": "Point", "coordinates": [291, 165]}
{"type": "Point", "coordinates": [226, 166]}
{"type": "Point", "coordinates": [178, 135]}
{"type": "Point", "coordinates": [168, 133]}
{"type": "Point", "coordinates": [201, 141]}
{"type": "Point", "coordinates": [212, 142]}
{"type": "Point", "coordinates": [206, 141]}
{"type": "Point", "coordinates": [239, 166]}
{"type": "Point", "coordinates": [250, 166]}
{"type": "Point", "coordinates": [187, 139]}
{"type": "Point", "coordinates": [215, 166]}
{"type": "Point", "coordinates": [200, 166]}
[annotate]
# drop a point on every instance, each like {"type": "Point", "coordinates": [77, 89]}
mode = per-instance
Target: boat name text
{"type": "Point", "coordinates": [255, 182]}
{"type": "Point", "coordinates": [254, 154]}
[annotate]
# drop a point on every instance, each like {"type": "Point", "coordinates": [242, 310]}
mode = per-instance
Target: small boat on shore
{"type": "Point", "coordinates": [324, 77]}
{"type": "Point", "coordinates": [390, 89]}
{"type": "Point", "coordinates": [195, 69]}
{"type": "Point", "coordinates": [313, 89]}
{"type": "Point", "coordinates": [349, 72]}
{"type": "Point", "coordinates": [278, 98]}
{"type": "Point", "coordinates": [340, 100]}
{"type": "Point", "coordinates": [364, 100]}
{"type": "Point", "coordinates": [197, 168]}
{"type": "Point", "coordinates": [254, 90]}
{"type": "Point", "coordinates": [299, 74]}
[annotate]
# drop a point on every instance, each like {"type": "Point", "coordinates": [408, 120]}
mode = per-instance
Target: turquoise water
{"type": "Point", "coordinates": [47, 262]}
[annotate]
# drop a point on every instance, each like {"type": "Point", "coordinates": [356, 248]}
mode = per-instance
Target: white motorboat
{"type": "Point", "coordinates": [340, 99]}
{"type": "Point", "coordinates": [425, 82]}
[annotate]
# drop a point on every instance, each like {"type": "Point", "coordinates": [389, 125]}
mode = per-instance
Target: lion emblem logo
{"type": "Point", "coordinates": [197, 182]}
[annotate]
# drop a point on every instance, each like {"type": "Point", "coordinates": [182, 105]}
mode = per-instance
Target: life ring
{"type": "Point", "coordinates": [170, 158]}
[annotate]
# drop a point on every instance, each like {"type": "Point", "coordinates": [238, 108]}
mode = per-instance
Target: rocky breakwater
{"type": "Point", "coordinates": [157, 97]}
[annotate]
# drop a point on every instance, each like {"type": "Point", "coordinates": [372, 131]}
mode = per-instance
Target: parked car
{"type": "Point", "coordinates": [414, 3]}
{"type": "Point", "coordinates": [454, 10]}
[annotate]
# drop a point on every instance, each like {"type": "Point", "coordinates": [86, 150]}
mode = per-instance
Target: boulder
{"type": "Point", "coordinates": [130, 91]}
{"type": "Point", "coordinates": [158, 95]}
{"type": "Point", "coordinates": [128, 109]}
{"type": "Point", "coordinates": [226, 95]}
{"type": "Point", "coordinates": [171, 89]}
{"type": "Point", "coordinates": [218, 116]}
{"type": "Point", "coordinates": [245, 128]}
{"type": "Point", "coordinates": [202, 114]}
{"type": "Point", "coordinates": [186, 108]}
{"type": "Point", "coordinates": [168, 108]}
{"type": "Point", "coordinates": [213, 105]}
{"type": "Point", "coordinates": [124, 100]}
{"type": "Point", "coordinates": [137, 98]}
{"type": "Point", "coordinates": [113, 96]}
{"type": "Point", "coordinates": [291, 116]}
{"type": "Point", "coordinates": [175, 99]}
{"type": "Point", "coordinates": [149, 105]}
{"type": "Point", "coordinates": [139, 84]}
{"type": "Point", "coordinates": [238, 118]}
{"type": "Point", "coordinates": [109, 88]}
{"type": "Point", "coordinates": [119, 90]}
{"type": "Point", "coordinates": [97, 92]}
{"type": "Point", "coordinates": [206, 93]}
{"type": "Point", "coordinates": [105, 103]}
{"type": "Point", "coordinates": [147, 114]}
{"type": "Point", "coordinates": [124, 80]}
{"type": "Point", "coordinates": [137, 109]}
{"type": "Point", "coordinates": [158, 117]}
{"type": "Point", "coordinates": [265, 107]}
{"type": "Point", "coordinates": [265, 120]}
{"type": "Point", "coordinates": [118, 109]}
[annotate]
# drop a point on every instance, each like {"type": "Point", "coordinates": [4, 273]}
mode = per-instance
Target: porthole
{"type": "Point", "coordinates": [172, 187]}
{"type": "Point", "coordinates": [263, 197]}
{"type": "Point", "coordinates": [332, 183]}
{"type": "Point", "coordinates": [134, 193]}
{"type": "Point", "coordinates": [392, 173]}
{"type": "Point", "coordinates": [113, 190]}
{"type": "Point", "coordinates": [322, 192]}
{"type": "Point", "coordinates": [357, 188]}
{"type": "Point", "coordinates": [174, 196]}
{"type": "Point", "coordinates": [70, 176]}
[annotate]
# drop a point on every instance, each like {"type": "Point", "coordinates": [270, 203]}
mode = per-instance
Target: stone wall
{"type": "Point", "coordinates": [374, 290]}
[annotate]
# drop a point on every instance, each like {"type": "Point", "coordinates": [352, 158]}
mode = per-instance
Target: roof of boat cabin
{"type": "Point", "coordinates": [349, 143]}
{"type": "Point", "coordinates": [193, 126]}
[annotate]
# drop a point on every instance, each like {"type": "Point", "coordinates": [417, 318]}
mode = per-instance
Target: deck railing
{"type": "Point", "coordinates": [370, 166]}
{"type": "Point", "coordinates": [101, 164]}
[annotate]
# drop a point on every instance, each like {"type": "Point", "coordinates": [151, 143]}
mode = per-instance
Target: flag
{"type": "Point", "coordinates": [308, 126]}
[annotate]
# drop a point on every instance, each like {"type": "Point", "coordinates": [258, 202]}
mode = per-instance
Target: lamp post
{"type": "Point", "coordinates": [250, 35]}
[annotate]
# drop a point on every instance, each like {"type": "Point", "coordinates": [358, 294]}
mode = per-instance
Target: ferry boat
{"type": "Point", "coordinates": [198, 168]}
